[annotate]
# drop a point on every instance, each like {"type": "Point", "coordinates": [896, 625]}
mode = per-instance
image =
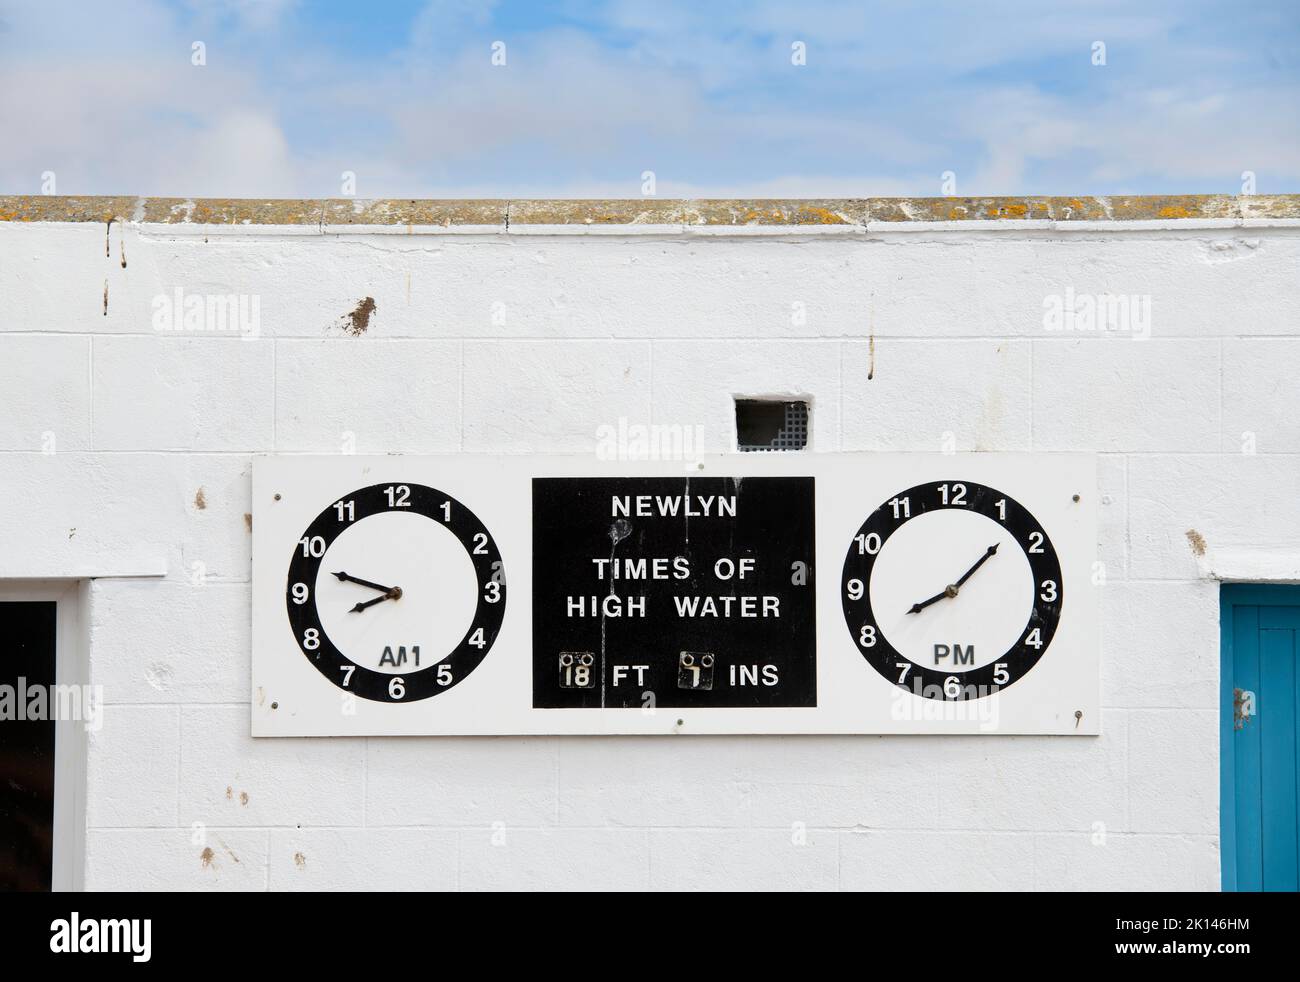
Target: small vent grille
{"type": "Point", "coordinates": [762, 424]}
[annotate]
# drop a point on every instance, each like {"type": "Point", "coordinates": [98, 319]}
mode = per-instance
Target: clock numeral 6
{"type": "Point", "coordinates": [396, 687]}
{"type": "Point", "coordinates": [854, 589]}
{"type": "Point", "coordinates": [952, 687]}
{"type": "Point", "coordinates": [867, 636]}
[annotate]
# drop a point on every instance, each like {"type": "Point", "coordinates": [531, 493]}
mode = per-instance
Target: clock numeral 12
{"type": "Point", "coordinates": [958, 496]}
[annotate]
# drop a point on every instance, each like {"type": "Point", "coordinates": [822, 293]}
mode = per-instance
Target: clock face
{"type": "Point", "coordinates": [396, 592]}
{"type": "Point", "coordinates": [952, 590]}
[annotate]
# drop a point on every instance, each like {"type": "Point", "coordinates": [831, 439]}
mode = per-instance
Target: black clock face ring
{"type": "Point", "coordinates": [414, 674]}
{"type": "Point", "coordinates": [970, 577]}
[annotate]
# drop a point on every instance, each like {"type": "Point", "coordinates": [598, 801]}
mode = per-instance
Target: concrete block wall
{"type": "Point", "coordinates": [122, 447]}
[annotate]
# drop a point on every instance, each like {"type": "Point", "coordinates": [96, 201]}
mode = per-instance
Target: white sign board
{"type": "Point", "coordinates": [739, 593]}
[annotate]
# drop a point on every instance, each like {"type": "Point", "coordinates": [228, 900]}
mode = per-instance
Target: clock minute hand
{"type": "Point", "coordinates": [978, 563]}
{"type": "Point", "coordinates": [345, 578]}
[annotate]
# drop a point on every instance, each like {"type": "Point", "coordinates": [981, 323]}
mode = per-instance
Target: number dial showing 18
{"type": "Point", "coordinates": [396, 592]}
{"type": "Point", "coordinates": [952, 590]}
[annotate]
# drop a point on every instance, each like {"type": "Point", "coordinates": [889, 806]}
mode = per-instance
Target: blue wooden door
{"type": "Point", "coordinates": [1260, 759]}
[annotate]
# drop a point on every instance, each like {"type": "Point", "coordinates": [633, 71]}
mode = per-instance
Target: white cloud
{"type": "Point", "coordinates": [702, 94]}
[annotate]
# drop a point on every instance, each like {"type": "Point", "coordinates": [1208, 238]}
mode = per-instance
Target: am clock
{"type": "Point", "coordinates": [952, 590]}
{"type": "Point", "coordinates": [395, 592]}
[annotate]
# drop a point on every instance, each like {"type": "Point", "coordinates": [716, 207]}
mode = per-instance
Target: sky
{"type": "Point", "coordinates": [715, 98]}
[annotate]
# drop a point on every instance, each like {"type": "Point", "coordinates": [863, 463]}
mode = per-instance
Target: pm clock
{"type": "Point", "coordinates": [395, 592]}
{"type": "Point", "coordinates": [952, 590]}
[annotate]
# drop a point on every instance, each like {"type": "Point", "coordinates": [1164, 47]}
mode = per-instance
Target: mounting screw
{"type": "Point", "coordinates": [1076, 497]}
{"type": "Point", "coordinates": [277, 496]}
{"type": "Point", "coordinates": [1078, 715]}
{"type": "Point", "coordinates": [681, 722]}
{"type": "Point", "coordinates": [275, 705]}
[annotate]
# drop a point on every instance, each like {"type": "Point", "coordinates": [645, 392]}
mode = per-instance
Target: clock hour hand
{"type": "Point", "coordinates": [917, 608]}
{"type": "Point", "coordinates": [345, 578]}
{"type": "Point", "coordinates": [951, 589]}
{"type": "Point", "coordinates": [370, 603]}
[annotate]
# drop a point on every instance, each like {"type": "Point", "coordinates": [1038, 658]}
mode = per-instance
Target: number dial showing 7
{"type": "Point", "coordinates": [952, 590]}
{"type": "Point", "coordinates": [395, 592]}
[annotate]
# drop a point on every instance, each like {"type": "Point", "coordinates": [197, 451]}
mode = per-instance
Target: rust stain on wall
{"type": "Point", "coordinates": [1197, 541]}
{"type": "Point", "coordinates": [357, 322]}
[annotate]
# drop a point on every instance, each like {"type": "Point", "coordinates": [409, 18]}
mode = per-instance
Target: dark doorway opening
{"type": "Point", "coordinates": [27, 666]}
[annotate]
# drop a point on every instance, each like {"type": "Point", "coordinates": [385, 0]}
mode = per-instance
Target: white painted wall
{"type": "Point", "coordinates": [653, 326]}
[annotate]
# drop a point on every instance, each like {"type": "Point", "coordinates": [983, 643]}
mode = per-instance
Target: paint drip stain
{"type": "Point", "coordinates": [1197, 542]}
